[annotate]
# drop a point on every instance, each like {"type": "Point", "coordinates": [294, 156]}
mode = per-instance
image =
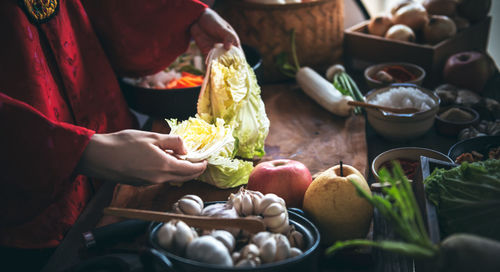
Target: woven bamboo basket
{"type": "Point", "coordinates": [319, 28]}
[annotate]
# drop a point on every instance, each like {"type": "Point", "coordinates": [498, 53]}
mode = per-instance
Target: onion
{"type": "Point", "coordinates": [461, 23]}
{"type": "Point", "coordinates": [399, 5]}
{"type": "Point", "coordinates": [438, 29]}
{"type": "Point", "coordinates": [379, 25]}
{"type": "Point", "coordinates": [413, 15]}
{"type": "Point", "coordinates": [400, 33]}
{"type": "Point", "coordinates": [441, 7]}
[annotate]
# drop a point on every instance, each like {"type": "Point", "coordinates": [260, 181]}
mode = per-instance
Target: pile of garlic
{"type": "Point", "coordinates": [280, 242]}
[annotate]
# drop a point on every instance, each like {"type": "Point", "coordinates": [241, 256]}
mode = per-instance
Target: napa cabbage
{"type": "Point", "coordinates": [216, 144]}
{"type": "Point", "coordinates": [230, 91]}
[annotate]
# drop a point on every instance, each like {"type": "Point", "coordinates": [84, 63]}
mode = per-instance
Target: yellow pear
{"type": "Point", "coordinates": [335, 206]}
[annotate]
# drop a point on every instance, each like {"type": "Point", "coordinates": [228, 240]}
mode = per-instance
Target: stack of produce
{"type": "Point", "coordinates": [432, 20]}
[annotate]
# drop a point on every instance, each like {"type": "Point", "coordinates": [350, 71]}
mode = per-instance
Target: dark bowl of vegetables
{"type": "Point", "coordinates": [173, 92]}
{"type": "Point", "coordinates": [384, 74]}
{"type": "Point", "coordinates": [452, 119]}
{"type": "Point", "coordinates": [476, 149]}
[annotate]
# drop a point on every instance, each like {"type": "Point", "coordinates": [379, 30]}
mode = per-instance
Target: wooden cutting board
{"type": "Point", "coordinates": [300, 130]}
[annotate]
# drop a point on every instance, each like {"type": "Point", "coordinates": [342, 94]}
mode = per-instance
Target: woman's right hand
{"type": "Point", "coordinates": [138, 157]}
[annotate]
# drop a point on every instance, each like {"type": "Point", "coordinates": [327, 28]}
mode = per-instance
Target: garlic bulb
{"type": "Point", "coordinates": [273, 210]}
{"type": "Point", "coordinates": [295, 238]}
{"type": "Point", "coordinates": [274, 247]}
{"type": "Point", "coordinates": [207, 249]}
{"type": "Point", "coordinates": [175, 236]}
{"type": "Point", "coordinates": [282, 247]}
{"type": "Point", "coordinates": [253, 262]}
{"type": "Point", "coordinates": [189, 204]}
{"type": "Point", "coordinates": [222, 210]}
{"type": "Point", "coordinates": [295, 252]}
{"type": "Point", "coordinates": [225, 237]}
{"type": "Point", "coordinates": [245, 201]}
{"type": "Point", "coordinates": [248, 256]}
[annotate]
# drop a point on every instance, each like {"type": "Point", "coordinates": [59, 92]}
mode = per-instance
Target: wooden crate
{"type": "Point", "coordinates": [362, 49]}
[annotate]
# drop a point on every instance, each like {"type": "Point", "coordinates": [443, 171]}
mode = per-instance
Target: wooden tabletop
{"type": "Point", "coordinates": [300, 130]}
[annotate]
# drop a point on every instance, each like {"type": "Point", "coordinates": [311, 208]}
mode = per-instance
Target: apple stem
{"type": "Point", "coordinates": [341, 170]}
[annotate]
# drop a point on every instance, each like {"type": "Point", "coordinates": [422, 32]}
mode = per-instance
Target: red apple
{"type": "Point", "coordinates": [288, 179]}
{"type": "Point", "coordinates": [470, 70]}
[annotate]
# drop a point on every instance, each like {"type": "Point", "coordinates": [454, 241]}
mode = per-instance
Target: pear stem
{"type": "Point", "coordinates": [341, 170]}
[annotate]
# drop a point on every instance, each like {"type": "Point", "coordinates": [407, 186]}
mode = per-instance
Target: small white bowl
{"type": "Point", "coordinates": [408, 153]}
{"type": "Point", "coordinates": [400, 127]}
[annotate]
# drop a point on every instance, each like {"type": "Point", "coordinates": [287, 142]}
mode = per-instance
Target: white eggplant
{"type": "Point", "coordinates": [323, 92]}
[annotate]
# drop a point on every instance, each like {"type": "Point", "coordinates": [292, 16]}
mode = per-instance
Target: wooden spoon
{"type": "Point", "coordinates": [252, 225]}
{"type": "Point", "coordinates": [384, 108]}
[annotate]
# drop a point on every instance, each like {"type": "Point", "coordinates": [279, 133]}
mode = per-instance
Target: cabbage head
{"type": "Point", "coordinates": [230, 91]}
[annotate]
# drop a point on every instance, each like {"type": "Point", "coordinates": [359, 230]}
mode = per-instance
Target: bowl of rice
{"type": "Point", "coordinates": [402, 127]}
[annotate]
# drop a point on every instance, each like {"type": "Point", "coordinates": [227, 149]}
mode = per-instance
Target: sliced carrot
{"type": "Point", "coordinates": [187, 80]}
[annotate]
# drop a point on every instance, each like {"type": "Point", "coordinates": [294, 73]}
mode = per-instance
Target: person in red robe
{"type": "Point", "coordinates": [63, 118]}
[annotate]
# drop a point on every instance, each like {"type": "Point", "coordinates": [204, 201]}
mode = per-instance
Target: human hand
{"type": "Point", "coordinates": [138, 157]}
{"type": "Point", "coordinates": [210, 29]}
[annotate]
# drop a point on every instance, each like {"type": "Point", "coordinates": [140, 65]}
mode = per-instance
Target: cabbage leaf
{"type": "Point", "coordinates": [216, 144]}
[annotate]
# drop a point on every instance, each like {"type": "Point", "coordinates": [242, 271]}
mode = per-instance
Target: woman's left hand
{"type": "Point", "coordinates": [210, 29]}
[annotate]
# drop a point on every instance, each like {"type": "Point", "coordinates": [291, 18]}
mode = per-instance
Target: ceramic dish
{"type": "Point", "coordinates": [401, 127]}
{"type": "Point", "coordinates": [481, 145]}
{"type": "Point", "coordinates": [174, 103]}
{"type": "Point", "coordinates": [302, 262]}
{"type": "Point", "coordinates": [373, 82]}
{"type": "Point", "coordinates": [452, 128]}
{"type": "Point", "coordinates": [407, 153]}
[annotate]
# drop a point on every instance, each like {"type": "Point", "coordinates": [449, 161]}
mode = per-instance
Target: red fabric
{"type": "Point", "coordinates": [58, 87]}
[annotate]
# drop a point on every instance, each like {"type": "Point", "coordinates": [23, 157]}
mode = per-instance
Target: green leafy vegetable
{"type": "Point", "coordinates": [282, 59]}
{"type": "Point", "coordinates": [224, 172]}
{"type": "Point", "coordinates": [216, 144]}
{"type": "Point", "coordinates": [399, 207]}
{"type": "Point", "coordinates": [230, 91]}
{"type": "Point", "coordinates": [467, 198]}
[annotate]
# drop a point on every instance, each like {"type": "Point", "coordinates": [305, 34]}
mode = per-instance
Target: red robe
{"type": "Point", "coordinates": [58, 86]}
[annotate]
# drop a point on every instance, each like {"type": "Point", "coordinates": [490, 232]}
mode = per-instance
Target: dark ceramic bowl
{"type": "Point", "coordinates": [305, 262]}
{"type": "Point", "coordinates": [175, 103]}
{"type": "Point", "coordinates": [452, 128]}
{"type": "Point", "coordinates": [481, 144]}
{"type": "Point", "coordinates": [371, 71]}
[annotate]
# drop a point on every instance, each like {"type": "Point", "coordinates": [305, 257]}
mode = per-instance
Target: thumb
{"type": "Point", "coordinates": [171, 142]}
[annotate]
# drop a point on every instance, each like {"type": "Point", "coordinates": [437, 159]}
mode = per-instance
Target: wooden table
{"type": "Point", "coordinates": [300, 130]}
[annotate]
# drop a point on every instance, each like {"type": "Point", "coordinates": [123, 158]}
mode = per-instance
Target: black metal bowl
{"type": "Point", "coordinates": [175, 103]}
{"type": "Point", "coordinates": [479, 144]}
{"type": "Point", "coordinates": [305, 262]}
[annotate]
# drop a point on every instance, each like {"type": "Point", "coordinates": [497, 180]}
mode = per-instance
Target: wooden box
{"type": "Point", "coordinates": [362, 49]}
